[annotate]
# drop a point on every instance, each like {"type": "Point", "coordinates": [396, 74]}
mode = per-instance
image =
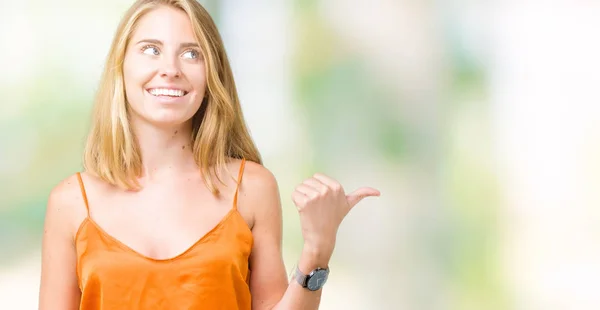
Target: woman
{"type": "Point", "coordinates": [160, 219]}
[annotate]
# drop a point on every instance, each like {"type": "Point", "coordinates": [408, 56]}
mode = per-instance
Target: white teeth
{"type": "Point", "coordinates": [167, 92]}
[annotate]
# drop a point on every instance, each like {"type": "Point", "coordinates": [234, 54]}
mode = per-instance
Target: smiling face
{"type": "Point", "coordinates": [163, 69]}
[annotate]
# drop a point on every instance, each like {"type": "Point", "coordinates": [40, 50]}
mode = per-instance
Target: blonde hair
{"type": "Point", "coordinates": [219, 130]}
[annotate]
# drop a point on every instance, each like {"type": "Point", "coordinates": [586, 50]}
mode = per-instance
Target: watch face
{"type": "Point", "coordinates": [317, 279]}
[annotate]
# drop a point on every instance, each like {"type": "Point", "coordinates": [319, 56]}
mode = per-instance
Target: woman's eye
{"type": "Point", "coordinates": [191, 54]}
{"type": "Point", "coordinates": [150, 50]}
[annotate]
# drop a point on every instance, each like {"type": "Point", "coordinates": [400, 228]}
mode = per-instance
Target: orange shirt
{"type": "Point", "coordinates": [212, 274]}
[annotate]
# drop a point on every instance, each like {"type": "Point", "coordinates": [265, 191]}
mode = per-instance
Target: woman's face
{"type": "Point", "coordinates": [163, 69]}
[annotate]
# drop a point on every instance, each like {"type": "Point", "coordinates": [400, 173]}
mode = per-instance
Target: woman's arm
{"type": "Point", "coordinates": [268, 278]}
{"type": "Point", "coordinates": [58, 286]}
{"type": "Point", "coordinates": [321, 212]}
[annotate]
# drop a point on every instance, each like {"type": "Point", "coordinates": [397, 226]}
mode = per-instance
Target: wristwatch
{"type": "Point", "coordinates": [314, 281]}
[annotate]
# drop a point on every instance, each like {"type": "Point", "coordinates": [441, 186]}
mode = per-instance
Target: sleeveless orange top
{"type": "Point", "coordinates": [211, 274]}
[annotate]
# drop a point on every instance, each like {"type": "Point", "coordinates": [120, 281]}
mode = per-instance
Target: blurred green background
{"type": "Point", "coordinates": [478, 121]}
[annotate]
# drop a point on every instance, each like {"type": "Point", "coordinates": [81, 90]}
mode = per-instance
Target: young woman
{"type": "Point", "coordinates": [161, 219]}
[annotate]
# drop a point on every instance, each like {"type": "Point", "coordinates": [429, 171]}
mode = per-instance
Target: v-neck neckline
{"type": "Point", "coordinates": [146, 257]}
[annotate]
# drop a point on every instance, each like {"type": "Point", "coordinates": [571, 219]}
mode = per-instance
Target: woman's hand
{"type": "Point", "coordinates": [323, 205]}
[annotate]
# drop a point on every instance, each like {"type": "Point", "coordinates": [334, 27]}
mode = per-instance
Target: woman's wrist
{"type": "Point", "coordinates": [313, 257]}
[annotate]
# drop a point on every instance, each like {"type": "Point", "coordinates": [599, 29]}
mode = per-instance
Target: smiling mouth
{"type": "Point", "coordinates": [166, 92]}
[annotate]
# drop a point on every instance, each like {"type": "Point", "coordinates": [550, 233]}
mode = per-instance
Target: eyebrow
{"type": "Point", "coordinates": [158, 42]}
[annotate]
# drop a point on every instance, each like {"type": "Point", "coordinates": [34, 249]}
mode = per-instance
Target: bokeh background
{"type": "Point", "coordinates": [479, 121]}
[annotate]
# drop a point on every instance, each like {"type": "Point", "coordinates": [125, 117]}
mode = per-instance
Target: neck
{"type": "Point", "coordinates": [164, 150]}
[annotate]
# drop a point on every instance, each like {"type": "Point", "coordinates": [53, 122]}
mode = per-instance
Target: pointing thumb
{"type": "Point", "coordinates": [359, 194]}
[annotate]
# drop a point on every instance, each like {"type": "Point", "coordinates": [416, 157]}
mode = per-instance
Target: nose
{"type": "Point", "coordinates": [170, 68]}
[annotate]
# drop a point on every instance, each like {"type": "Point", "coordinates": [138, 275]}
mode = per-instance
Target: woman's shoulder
{"type": "Point", "coordinates": [66, 204]}
{"type": "Point", "coordinates": [256, 176]}
{"type": "Point", "coordinates": [66, 193]}
{"type": "Point", "coordinates": [71, 192]}
{"type": "Point", "coordinates": [259, 190]}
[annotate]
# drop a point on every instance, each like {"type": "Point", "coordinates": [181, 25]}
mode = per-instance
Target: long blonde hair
{"type": "Point", "coordinates": [219, 130]}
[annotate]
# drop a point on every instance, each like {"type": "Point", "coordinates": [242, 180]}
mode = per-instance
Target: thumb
{"type": "Point", "coordinates": [359, 194]}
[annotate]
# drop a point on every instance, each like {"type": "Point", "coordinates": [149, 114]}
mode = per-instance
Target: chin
{"type": "Point", "coordinates": [162, 120]}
